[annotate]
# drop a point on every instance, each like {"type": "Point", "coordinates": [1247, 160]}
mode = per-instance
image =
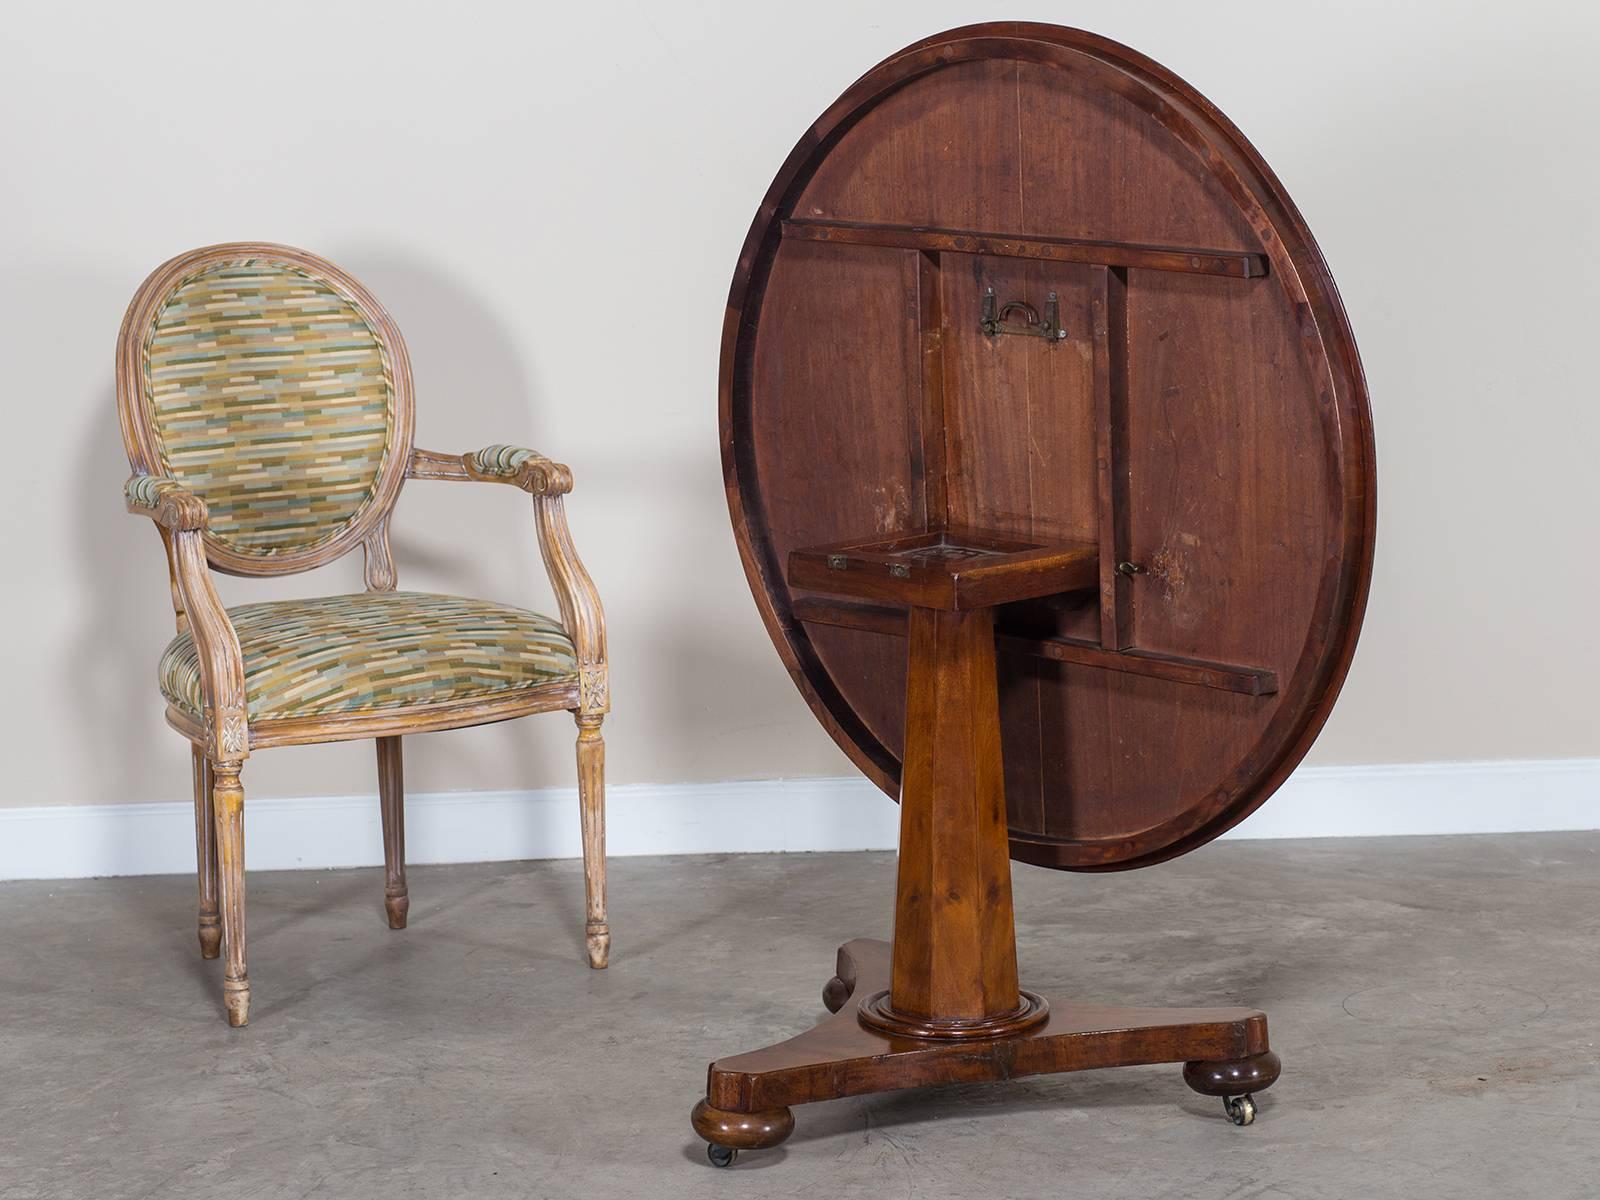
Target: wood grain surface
{"type": "Point", "coordinates": [1203, 424]}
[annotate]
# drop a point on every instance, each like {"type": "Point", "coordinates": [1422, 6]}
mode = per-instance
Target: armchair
{"type": "Point", "coordinates": [266, 405]}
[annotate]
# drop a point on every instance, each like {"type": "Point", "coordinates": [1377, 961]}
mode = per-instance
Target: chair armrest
{"type": "Point", "coordinates": [182, 516]}
{"type": "Point", "coordinates": [166, 502]}
{"type": "Point", "coordinates": [521, 468]}
{"type": "Point", "coordinates": [547, 482]}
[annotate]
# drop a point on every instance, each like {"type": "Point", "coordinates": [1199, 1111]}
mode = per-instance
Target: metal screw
{"type": "Point", "coordinates": [1130, 568]}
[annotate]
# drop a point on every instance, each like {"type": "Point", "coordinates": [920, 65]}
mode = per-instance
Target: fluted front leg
{"type": "Point", "coordinates": [205, 854]}
{"type": "Point", "coordinates": [392, 801]}
{"type": "Point", "coordinates": [227, 797]}
{"type": "Point", "coordinates": [592, 809]}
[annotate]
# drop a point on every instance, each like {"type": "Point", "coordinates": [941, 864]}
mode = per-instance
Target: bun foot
{"type": "Point", "coordinates": [210, 938]}
{"type": "Point", "coordinates": [236, 999]}
{"type": "Point", "coordinates": [1234, 1081]}
{"type": "Point", "coordinates": [396, 908]}
{"type": "Point", "coordinates": [732, 1131]}
{"type": "Point", "coordinates": [597, 939]}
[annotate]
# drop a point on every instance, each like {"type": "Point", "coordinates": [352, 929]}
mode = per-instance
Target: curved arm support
{"type": "Point", "coordinates": [525, 469]}
{"type": "Point", "coordinates": [547, 482]}
{"type": "Point", "coordinates": [221, 661]}
{"type": "Point", "coordinates": [580, 603]}
{"type": "Point", "coordinates": [182, 517]}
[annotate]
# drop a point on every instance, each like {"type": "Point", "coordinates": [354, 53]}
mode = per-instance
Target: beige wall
{"type": "Point", "coordinates": [551, 207]}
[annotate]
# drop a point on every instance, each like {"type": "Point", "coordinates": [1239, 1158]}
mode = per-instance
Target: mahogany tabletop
{"type": "Point", "coordinates": [1024, 280]}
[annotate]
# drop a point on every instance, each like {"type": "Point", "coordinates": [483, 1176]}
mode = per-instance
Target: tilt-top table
{"type": "Point", "coordinates": [1050, 462]}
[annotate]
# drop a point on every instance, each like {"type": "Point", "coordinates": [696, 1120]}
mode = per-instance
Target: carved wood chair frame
{"type": "Point", "coordinates": [224, 736]}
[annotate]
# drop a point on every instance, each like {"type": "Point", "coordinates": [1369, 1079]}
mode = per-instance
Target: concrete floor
{"type": "Point", "coordinates": [1434, 1001]}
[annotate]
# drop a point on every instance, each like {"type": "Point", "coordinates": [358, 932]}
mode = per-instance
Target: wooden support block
{"type": "Point", "coordinates": [1236, 264]}
{"type": "Point", "coordinates": [947, 569]}
{"type": "Point", "coordinates": [1226, 677]}
{"type": "Point", "coordinates": [1109, 316]}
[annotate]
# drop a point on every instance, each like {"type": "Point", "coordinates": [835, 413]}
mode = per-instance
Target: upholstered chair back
{"type": "Point", "coordinates": [276, 388]}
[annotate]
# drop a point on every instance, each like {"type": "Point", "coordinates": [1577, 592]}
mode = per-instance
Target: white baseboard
{"type": "Point", "coordinates": [80, 841]}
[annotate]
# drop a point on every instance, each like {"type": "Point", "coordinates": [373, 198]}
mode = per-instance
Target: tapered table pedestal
{"type": "Point", "coordinates": [942, 1004]}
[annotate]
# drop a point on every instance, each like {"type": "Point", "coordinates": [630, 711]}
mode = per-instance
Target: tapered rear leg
{"type": "Point", "coordinates": [205, 853]}
{"type": "Point", "coordinates": [592, 811]}
{"type": "Point", "coordinates": [227, 799]}
{"type": "Point", "coordinates": [392, 800]}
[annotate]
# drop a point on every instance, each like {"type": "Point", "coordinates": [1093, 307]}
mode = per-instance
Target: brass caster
{"type": "Point", "coordinates": [722, 1156]}
{"type": "Point", "coordinates": [1241, 1110]}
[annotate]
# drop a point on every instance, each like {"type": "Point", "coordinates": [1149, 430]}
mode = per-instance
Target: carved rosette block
{"type": "Point", "coordinates": [593, 688]}
{"type": "Point", "coordinates": [232, 734]}
{"type": "Point", "coordinates": [227, 725]}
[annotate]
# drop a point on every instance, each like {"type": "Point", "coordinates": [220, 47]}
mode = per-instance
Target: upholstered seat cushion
{"type": "Point", "coordinates": [377, 650]}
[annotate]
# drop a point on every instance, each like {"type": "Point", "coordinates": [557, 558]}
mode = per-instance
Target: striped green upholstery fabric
{"type": "Point", "coordinates": [147, 490]}
{"type": "Point", "coordinates": [272, 399]}
{"type": "Point", "coordinates": [376, 650]}
{"type": "Point", "coordinates": [501, 460]}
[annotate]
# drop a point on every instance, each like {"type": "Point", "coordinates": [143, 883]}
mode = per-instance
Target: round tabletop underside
{"type": "Point", "coordinates": [1201, 417]}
